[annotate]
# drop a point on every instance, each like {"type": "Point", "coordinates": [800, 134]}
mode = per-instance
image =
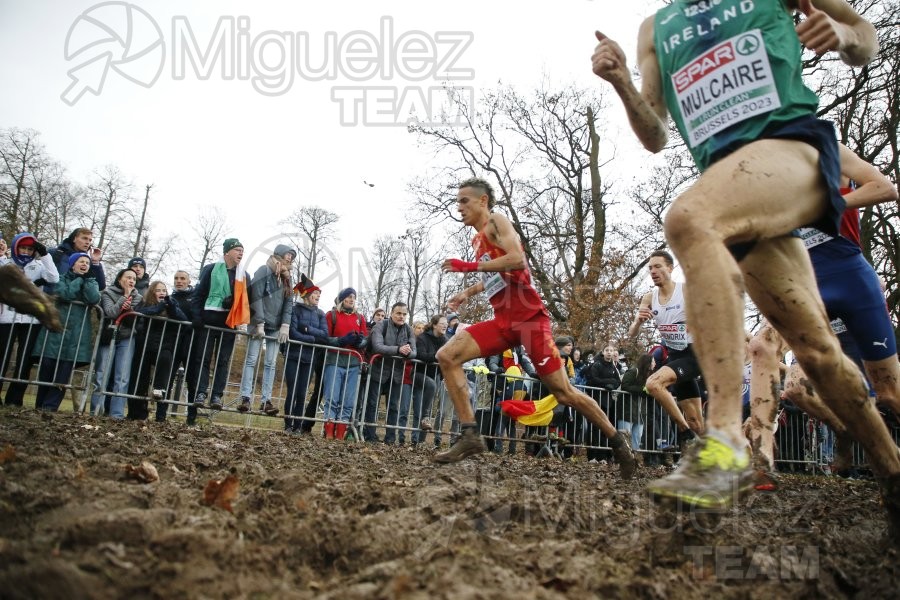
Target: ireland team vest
{"type": "Point", "coordinates": [730, 71]}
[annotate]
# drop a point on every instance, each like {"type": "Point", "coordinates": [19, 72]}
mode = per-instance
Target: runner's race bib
{"type": "Point", "coordinates": [838, 326]}
{"type": "Point", "coordinates": [729, 83]}
{"type": "Point", "coordinates": [674, 336]}
{"type": "Point", "coordinates": [492, 282]}
{"type": "Point", "coordinates": [812, 237]}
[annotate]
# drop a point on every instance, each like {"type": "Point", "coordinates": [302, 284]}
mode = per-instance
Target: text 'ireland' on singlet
{"type": "Point", "coordinates": [730, 70]}
{"type": "Point", "coordinates": [671, 319]}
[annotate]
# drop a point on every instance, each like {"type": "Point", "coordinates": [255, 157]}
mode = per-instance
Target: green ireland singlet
{"type": "Point", "coordinates": [730, 71]}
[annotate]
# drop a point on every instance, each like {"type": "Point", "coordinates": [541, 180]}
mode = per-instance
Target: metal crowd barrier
{"type": "Point", "coordinates": [168, 375]}
{"type": "Point", "coordinates": [34, 354]}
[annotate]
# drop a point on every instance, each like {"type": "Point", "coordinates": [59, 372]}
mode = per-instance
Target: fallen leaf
{"type": "Point", "coordinates": [220, 492]}
{"type": "Point", "coordinates": [7, 454]}
{"type": "Point", "coordinates": [86, 426]}
{"type": "Point", "coordinates": [144, 472]}
{"type": "Point", "coordinates": [79, 471]}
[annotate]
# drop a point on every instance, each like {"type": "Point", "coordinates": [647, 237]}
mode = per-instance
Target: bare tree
{"type": "Point", "coordinates": [312, 227]}
{"type": "Point", "coordinates": [109, 196]}
{"type": "Point", "coordinates": [383, 263]}
{"type": "Point", "coordinates": [541, 151]}
{"type": "Point", "coordinates": [210, 228]}
{"type": "Point", "coordinates": [139, 249]}
{"type": "Point", "coordinates": [418, 265]}
{"type": "Point", "coordinates": [20, 153]}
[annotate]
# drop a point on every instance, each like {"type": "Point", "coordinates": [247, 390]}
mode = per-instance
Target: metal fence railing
{"type": "Point", "coordinates": [137, 363]}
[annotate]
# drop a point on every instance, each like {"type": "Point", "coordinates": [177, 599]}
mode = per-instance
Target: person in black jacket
{"type": "Point", "coordinates": [602, 377]}
{"type": "Point", "coordinates": [427, 376]}
{"type": "Point", "coordinates": [80, 240]}
{"type": "Point", "coordinates": [155, 351]}
{"type": "Point", "coordinates": [211, 302]}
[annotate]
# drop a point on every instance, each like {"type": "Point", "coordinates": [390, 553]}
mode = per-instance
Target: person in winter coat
{"type": "Point", "coordinates": [115, 354]}
{"type": "Point", "coordinates": [80, 240]}
{"type": "Point", "coordinates": [181, 294]}
{"type": "Point", "coordinates": [634, 405]}
{"type": "Point", "coordinates": [348, 330]}
{"type": "Point", "coordinates": [211, 303]}
{"type": "Point", "coordinates": [602, 376]}
{"type": "Point", "coordinates": [60, 353]}
{"type": "Point", "coordinates": [307, 327]}
{"type": "Point", "coordinates": [427, 376]}
{"type": "Point", "coordinates": [156, 344]}
{"type": "Point", "coordinates": [139, 266]}
{"type": "Point", "coordinates": [270, 322]}
{"type": "Point", "coordinates": [19, 331]}
{"type": "Point", "coordinates": [394, 341]}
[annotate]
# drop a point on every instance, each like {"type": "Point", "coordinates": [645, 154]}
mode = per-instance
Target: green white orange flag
{"type": "Point", "coordinates": [240, 310]}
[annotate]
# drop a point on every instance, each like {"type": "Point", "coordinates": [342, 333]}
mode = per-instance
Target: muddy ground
{"type": "Point", "coordinates": [316, 518]}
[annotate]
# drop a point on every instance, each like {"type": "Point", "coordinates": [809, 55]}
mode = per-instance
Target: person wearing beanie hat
{"type": "Point", "coordinates": [76, 257]}
{"type": "Point", "coordinates": [347, 329]}
{"type": "Point", "coordinates": [139, 266]}
{"type": "Point", "coordinates": [304, 361]}
{"type": "Point", "coordinates": [230, 244]}
{"type": "Point", "coordinates": [18, 330]}
{"type": "Point", "coordinates": [285, 251]}
{"type": "Point", "coordinates": [211, 302]}
{"type": "Point", "coordinates": [59, 352]}
{"type": "Point", "coordinates": [270, 322]}
{"type": "Point", "coordinates": [79, 240]}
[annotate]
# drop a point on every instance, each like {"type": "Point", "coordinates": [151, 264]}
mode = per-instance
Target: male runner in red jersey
{"type": "Point", "coordinates": [519, 318]}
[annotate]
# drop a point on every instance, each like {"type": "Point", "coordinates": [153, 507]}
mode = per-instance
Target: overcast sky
{"type": "Point", "coordinates": [261, 143]}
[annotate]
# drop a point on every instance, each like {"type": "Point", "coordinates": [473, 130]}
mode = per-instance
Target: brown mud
{"type": "Point", "coordinates": [314, 518]}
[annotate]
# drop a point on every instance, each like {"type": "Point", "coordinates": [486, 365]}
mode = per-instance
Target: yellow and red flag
{"type": "Point", "coordinates": [530, 412]}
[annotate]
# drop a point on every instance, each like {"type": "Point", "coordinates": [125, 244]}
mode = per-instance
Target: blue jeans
{"type": "Point", "coordinates": [121, 355]}
{"type": "Point", "coordinates": [636, 429]}
{"type": "Point", "coordinates": [392, 389]}
{"type": "Point", "coordinates": [249, 374]}
{"type": "Point", "coordinates": [339, 390]}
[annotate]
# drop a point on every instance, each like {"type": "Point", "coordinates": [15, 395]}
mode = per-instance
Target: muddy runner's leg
{"type": "Point", "coordinates": [766, 348]}
{"type": "Point", "coordinates": [780, 281]}
{"type": "Point", "coordinates": [733, 202]}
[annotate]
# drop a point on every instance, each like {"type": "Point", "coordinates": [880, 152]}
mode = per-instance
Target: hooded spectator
{"type": "Point", "coordinates": [19, 331]}
{"type": "Point", "coordinates": [139, 266]}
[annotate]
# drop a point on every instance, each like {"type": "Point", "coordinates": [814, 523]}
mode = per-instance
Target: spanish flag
{"type": "Point", "coordinates": [240, 310]}
{"type": "Point", "coordinates": [530, 412]}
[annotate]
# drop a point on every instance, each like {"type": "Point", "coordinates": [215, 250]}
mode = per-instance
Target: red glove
{"type": "Point", "coordinates": [461, 266]}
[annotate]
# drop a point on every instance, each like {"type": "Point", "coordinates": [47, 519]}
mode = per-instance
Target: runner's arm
{"type": "Point", "coordinates": [835, 25]}
{"type": "Point", "coordinates": [501, 233]}
{"type": "Point", "coordinates": [455, 302]}
{"type": "Point", "coordinates": [874, 187]}
{"type": "Point", "coordinates": [642, 315]}
{"type": "Point", "coordinates": [646, 109]}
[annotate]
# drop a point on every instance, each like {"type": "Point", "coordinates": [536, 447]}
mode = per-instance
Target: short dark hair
{"type": "Point", "coordinates": [480, 184]}
{"type": "Point", "coordinates": [663, 255]}
{"type": "Point", "coordinates": [396, 304]}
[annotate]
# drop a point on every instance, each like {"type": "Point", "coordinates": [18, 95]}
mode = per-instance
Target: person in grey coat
{"type": "Point", "coordinates": [270, 321]}
{"type": "Point", "coordinates": [393, 340]}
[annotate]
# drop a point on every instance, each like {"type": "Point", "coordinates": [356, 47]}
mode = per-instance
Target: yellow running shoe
{"type": "Point", "coordinates": [711, 474]}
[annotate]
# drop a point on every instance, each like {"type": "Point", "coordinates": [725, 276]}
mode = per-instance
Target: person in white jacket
{"type": "Point", "coordinates": [19, 331]}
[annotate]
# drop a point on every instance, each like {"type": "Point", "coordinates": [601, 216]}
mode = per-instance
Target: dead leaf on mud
{"type": "Point", "coordinates": [144, 472]}
{"type": "Point", "coordinates": [79, 471]}
{"type": "Point", "coordinates": [220, 492]}
{"type": "Point", "coordinates": [7, 454]}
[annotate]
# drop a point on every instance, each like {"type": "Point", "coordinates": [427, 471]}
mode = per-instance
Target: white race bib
{"type": "Point", "coordinates": [812, 237]}
{"type": "Point", "coordinates": [674, 336]}
{"type": "Point", "coordinates": [492, 282]}
{"type": "Point", "coordinates": [729, 83]}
